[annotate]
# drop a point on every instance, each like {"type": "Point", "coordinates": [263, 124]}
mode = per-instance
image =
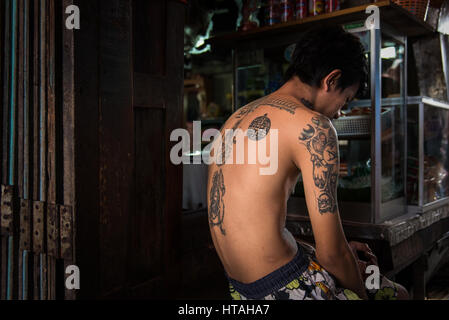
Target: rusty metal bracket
{"type": "Point", "coordinates": [25, 225]}
{"type": "Point", "coordinates": [52, 230]}
{"type": "Point", "coordinates": [66, 229]}
{"type": "Point", "coordinates": [38, 227]}
{"type": "Point", "coordinates": [7, 209]}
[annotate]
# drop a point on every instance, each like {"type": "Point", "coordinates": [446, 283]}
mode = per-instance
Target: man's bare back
{"type": "Point", "coordinates": [247, 210]}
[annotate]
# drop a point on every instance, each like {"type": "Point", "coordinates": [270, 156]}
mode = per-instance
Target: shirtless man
{"type": "Point", "coordinates": [247, 210]}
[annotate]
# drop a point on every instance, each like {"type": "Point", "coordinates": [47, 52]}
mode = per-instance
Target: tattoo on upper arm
{"type": "Point", "coordinates": [216, 205]}
{"type": "Point", "coordinates": [321, 142]}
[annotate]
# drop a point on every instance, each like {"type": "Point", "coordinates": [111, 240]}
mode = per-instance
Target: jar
{"type": "Point", "coordinates": [286, 9]}
{"type": "Point", "coordinates": [273, 14]}
{"type": "Point", "coordinates": [316, 7]}
{"type": "Point", "coordinates": [331, 6]}
{"type": "Point", "coordinates": [302, 9]}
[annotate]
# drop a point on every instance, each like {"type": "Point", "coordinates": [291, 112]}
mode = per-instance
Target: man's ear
{"type": "Point", "coordinates": [330, 81]}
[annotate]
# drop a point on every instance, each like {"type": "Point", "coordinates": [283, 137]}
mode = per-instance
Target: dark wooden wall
{"type": "Point", "coordinates": [85, 125]}
{"type": "Point", "coordinates": [128, 58]}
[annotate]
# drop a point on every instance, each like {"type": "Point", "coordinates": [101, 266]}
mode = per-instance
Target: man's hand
{"type": "Point", "coordinates": [370, 257]}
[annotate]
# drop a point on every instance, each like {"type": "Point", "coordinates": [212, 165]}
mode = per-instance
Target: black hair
{"type": "Point", "coordinates": [323, 49]}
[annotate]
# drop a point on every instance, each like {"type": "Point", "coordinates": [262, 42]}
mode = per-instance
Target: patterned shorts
{"type": "Point", "coordinates": [304, 279]}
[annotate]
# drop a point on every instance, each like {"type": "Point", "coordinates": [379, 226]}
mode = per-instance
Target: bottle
{"type": "Point", "coordinates": [302, 9]}
{"type": "Point", "coordinates": [273, 15]}
{"type": "Point", "coordinates": [332, 5]}
{"type": "Point", "coordinates": [287, 12]}
{"type": "Point", "coordinates": [316, 7]}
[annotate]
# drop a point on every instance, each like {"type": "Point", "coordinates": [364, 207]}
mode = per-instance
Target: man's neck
{"type": "Point", "coordinates": [299, 91]}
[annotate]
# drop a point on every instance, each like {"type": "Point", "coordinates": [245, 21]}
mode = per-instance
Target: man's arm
{"type": "Point", "coordinates": [316, 154]}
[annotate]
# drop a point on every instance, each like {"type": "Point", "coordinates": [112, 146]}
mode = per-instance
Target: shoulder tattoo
{"type": "Point", "coordinates": [321, 142]}
{"type": "Point", "coordinates": [216, 206]}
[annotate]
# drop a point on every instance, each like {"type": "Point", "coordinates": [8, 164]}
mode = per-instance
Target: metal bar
{"type": "Point", "coordinates": [43, 134]}
{"type": "Point", "coordinates": [26, 100]}
{"type": "Point", "coordinates": [34, 120]}
{"type": "Point", "coordinates": [51, 151]}
{"type": "Point", "coordinates": [235, 82]}
{"type": "Point", "coordinates": [405, 120]}
{"type": "Point", "coordinates": [5, 125]}
{"type": "Point", "coordinates": [20, 100]}
{"type": "Point", "coordinates": [25, 246]}
{"type": "Point", "coordinates": [25, 220]}
{"type": "Point", "coordinates": [376, 147]}
{"type": "Point", "coordinates": [2, 57]}
{"type": "Point", "coordinates": [444, 44]}
{"type": "Point", "coordinates": [20, 129]}
{"type": "Point", "coordinates": [384, 102]}
{"type": "Point", "coordinates": [6, 91]}
{"type": "Point", "coordinates": [68, 135]}
{"type": "Point", "coordinates": [421, 154]}
{"type": "Point", "coordinates": [12, 155]}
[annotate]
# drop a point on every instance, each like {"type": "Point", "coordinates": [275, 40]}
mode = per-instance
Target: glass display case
{"type": "Point", "coordinates": [368, 190]}
{"type": "Point", "coordinates": [428, 153]}
{"type": "Point", "coordinates": [373, 132]}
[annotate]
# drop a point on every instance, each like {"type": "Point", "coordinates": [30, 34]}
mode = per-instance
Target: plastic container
{"type": "Point", "coordinates": [331, 6]}
{"type": "Point", "coordinates": [273, 12]}
{"type": "Point", "coordinates": [287, 10]}
{"type": "Point", "coordinates": [302, 9]}
{"type": "Point", "coordinates": [316, 7]}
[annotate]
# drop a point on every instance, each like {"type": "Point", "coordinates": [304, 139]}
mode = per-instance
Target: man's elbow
{"type": "Point", "coordinates": [333, 259]}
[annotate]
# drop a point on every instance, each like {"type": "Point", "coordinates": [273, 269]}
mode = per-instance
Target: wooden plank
{"type": "Point", "coordinates": [85, 145]}
{"type": "Point", "coordinates": [42, 101]}
{"type": "Point", "coordinates": [25, 247]}
{"type": "Point", "coordinates": [36, 92]}
{"type": "Point", "coordinates": [4, 266]}
{"type": "Point", "coordinates": [25, 284]}
{"type": "Point", "coordinates": [6, 231]}
{"type": "Point", "coordinates": [13, 161]}
{"type": "Point", "coordinates": [26, 100]}
{"type": "Point", "coordinates": [173, 120]}
{"type": "Point", "coordinates": [68, 141]}
{"type": "Point", "coordinates": [43, 130]}
{"type": "Point", "coordinates": [146, 240]}
{"type": "Point", "coordinates": [35, 122]}
{"type": "Point", "coordinates": [6, 91]}
{"type": "Point", "coordinates": [3, 16]}
{"type": "Point", "coordinates": [116, 138]}
{"type": "Point", "coordinates": [68, 116]}
{"type": "Point", "coordinates": [7, 210]}
{"type": "Point", "coordinates": [66, 243]}
{"type": "Point", "coordinates": [9, 224]}
{"type": "Point", "coordinates": [20, 99]}
{"type": "Point", "coordinates": [20, 125]}
{"type": "Point", "coordinates": [51, 142]}
{"type": "Point", "coordinates": [38, 247]}
{"type": "Point", "coordinates": [51, 111]}
{"type": "Point", "coordinates": [52, 247]}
